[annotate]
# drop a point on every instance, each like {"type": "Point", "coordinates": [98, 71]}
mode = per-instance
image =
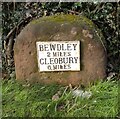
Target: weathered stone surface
{"type": "Point", "coordinates": [61, 28]}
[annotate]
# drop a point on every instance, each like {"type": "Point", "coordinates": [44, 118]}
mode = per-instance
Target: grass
{"type": "Point", "coordinates": [36, 100]}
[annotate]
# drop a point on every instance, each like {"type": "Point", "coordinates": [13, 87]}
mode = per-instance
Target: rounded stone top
{"type": "Point", "coordinates": [61, 28]}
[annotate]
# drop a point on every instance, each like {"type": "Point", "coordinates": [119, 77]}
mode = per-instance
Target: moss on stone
{"type": "Point", "coordinates": [64, 18]}
{"type": "Point", "coordinates": [81, 20]}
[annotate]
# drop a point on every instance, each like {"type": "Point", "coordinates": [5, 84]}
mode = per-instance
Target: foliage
{"type": "Point", "coordinates": [104, 15]}
{"type": "Point", "coordinates": [36, 100]}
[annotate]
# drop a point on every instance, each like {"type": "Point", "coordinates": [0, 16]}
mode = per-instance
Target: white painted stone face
{"type": "Point", "coordinates": [58, 56]}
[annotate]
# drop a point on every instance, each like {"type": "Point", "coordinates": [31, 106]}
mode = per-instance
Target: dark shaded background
{"type": "Point", "coordinates": [15, 16]}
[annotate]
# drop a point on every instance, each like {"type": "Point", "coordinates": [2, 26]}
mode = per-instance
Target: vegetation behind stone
{"type": "Point", "coordinates": [15, 16]}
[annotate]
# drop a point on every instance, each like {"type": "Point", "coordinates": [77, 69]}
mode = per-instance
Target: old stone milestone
{"type": "Point", "coordinates": [63, 49]}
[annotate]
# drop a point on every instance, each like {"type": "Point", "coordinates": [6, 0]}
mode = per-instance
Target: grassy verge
{"type": "Point", "coordinates": [36, 100]}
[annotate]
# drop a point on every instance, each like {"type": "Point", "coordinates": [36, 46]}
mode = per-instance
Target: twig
{"type": "Point", "coordinates": [10, 39]}
{"type": "Point", "coordinates": [98, 8]}
{"type": "Point", "coordinates": [14, 29]}
{"type": "Point", "coordinates": [73, 12]}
